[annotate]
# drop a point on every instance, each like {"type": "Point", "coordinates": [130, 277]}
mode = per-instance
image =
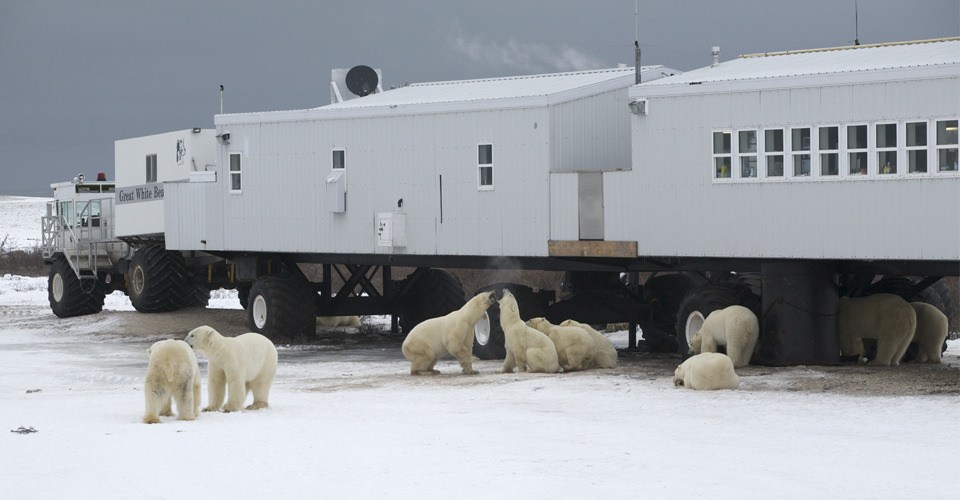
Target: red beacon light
{"type": "Point", "coordinates": [101, 177]}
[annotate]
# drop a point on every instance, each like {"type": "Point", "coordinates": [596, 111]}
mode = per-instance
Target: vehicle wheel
{"type": "Point", "coordinates": [243, 294]}
{"type": "Point", "coordinates": [434, 294]}
{"type": "Point", "coordinates": [157, 280]}
{"type": "Point", "coordinates": [69, 295]}
{"type": "Point", "coordinates": [488, 340]}
{"type": "Point", "coordinates": [699, 303]}
{"type": "Point", "coordinates": [282, 307]}
{"type": "Point", "coordinates": [199, 296]}
{"type": "Point", "coordinates": [664, 293]}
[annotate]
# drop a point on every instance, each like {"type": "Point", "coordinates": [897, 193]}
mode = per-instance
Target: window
{"type": "Point", "coordinates": [339, 159]}
{"type": "Point", "coordinates": [947, 145]}
{"type": "Point", "coordinates": [887, 148]}
{"type": "Point", "coordinates": [235, 172]}
{"type": "Point", "coordinates": [829, 150]}
{"type": "Point", "coordinates": [151, 168]}
{"type": "Point", "coordinates": [721, 155]}
{"type": "Point", "coordinates": [773, 148]}
{"type": "Point", "coordinates": [800, 146]}
{"type": "Point", "coordinates": [485, 166]}
{"type": "Point", "coordinates": [857, 149]}
{"type": "Point", "coordinates": [747, 147]}
{"type": "Point", "coordinates": [916, 147]}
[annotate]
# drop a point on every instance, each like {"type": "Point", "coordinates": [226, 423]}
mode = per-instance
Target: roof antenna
{"type": "Point", "coordinates": [636, 40]}
{"type": "Point", "coordinates": [221, 98]}
{"type": "Point", "coordinates": [856, 23]}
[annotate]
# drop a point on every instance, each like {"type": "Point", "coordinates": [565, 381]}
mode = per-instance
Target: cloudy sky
{"type": "Point", "coordinates": [76, 75]}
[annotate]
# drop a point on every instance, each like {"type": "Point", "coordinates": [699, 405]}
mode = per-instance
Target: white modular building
{"type": "Point", "coordinates": [489, 167]}
{"type": "Point", "coordinates": [846, 153]}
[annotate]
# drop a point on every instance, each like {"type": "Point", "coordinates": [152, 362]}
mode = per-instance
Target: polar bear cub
{"type": "Point", "coordinates": [242, 364]}
{"type": "Point", "coordinates": [452, 334]}
{"type": "Point", "coordinates": [885, 317]}
{"type": "Point", "coordinates": [735, 327]}
{"type": "Point", "coordinates": [527, 348]}
{"type": "Point", "coordinates": [172, 374]}
{"type": "Point", "coordinates": [574, 345]}
{"type": "Point", "coordinates": [706, 371]}
{"type": "Point", "coordinates": [604, 354]}
{"type": "Point", "coordinates": [930, 332]}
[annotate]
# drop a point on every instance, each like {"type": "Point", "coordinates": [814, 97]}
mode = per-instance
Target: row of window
{"type": "Point", "coordinates": [484, 167]}
{"type": "Point", "coordinates": [833, 151]}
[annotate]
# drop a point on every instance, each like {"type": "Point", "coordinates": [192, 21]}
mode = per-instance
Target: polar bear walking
{"type": "Point", "coordinates": [172, 374]}
{"type": "Point", "coordinates": [527, 348]}
{"type": "Point", "coordinates": [452, 334]}
{"type": "Point", "coordinates": [735, 327]}
{"type": "Point", "coordinates": [706, 371]}
{"type": "Point", "coordinates": [574, 345]}
{"type": "Point", "coordinates": [604, 354]}
{"type": "Point", "coordinates": [885, 317]}
{"type": "Point", "coordinates": [930, 333]}
{"type": "Point", "coordinates": [246, 363]}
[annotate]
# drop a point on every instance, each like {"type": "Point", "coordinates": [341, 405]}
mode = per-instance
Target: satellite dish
{"type": "Point", "coordinates": [362, 80]}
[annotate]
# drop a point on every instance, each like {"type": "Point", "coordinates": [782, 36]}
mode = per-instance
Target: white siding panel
{"type": "Point", "coordinates": [564, 217]}
{"type": "Point", "coordinates": [592, 134]}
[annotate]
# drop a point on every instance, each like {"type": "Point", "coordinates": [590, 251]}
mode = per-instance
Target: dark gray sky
{"type": "Point", "coordinates": [76, 75]}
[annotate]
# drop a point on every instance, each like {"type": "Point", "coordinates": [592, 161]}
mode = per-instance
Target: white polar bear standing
{"type": "Point", "coordinates": [604, 354]}
{"type": "Point", "coordinates": [527, 348]}
{"type": "Point", "coordinates": [735, 327]}
{"type": "Point", "coordinates": [172, 374]}
{"type": "Point", "coordinates": [335, 321]}
{"type": "Point", "coordinates": [575, 347]}
{"type": "Point", "coordinates": [930, 333]}
{"type": "Point", "coordinates": [706, 371]}
{"type": "Point", "coordinates": [242, 364]}
{"type": "Point", "coordinates": [885, 317]}
{"type": "Point", "coordinates": [452, 334]}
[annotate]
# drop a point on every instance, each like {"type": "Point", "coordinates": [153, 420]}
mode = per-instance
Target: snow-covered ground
{"type": "Point", "coordinates": [20, 221]}
{"type": "Point", "coordinates": [349, 422]}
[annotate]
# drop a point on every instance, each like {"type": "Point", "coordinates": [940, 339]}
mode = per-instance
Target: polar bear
{"type": "Point", "coordinates": [706, 371]}
{"type": "Point", "coordinates": [575, 347]}
{"type": "Point", "coordinates": [604, 354]}
{"type": "Point", "coordinates": [930, 333]}
{"type": "Point", "coordinates": [335, 321]}
{"type": "Point", "coordinates": [452, 334]}
{"type": "Point", "coordinates": [735, 327]}
{"type": "Point", "coordinates": [172, 374]}
{"type": "Point", "coordinates": [527, 348]}
{"type": "Point", "coordinates": [243, 364]}
{"type": "Point", "coordinates": [883, 316]}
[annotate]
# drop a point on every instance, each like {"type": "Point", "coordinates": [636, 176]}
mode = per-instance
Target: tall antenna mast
{"type": "Point", "coordinates": [636, 40]}
{"type": "Point", "coordinates": [856, 23]}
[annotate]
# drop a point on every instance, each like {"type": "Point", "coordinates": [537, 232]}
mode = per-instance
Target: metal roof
{"type": "Point", "coordinates": [818, 63]}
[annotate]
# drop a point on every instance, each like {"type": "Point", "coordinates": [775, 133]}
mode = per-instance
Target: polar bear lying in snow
{"type": "Point", "coordinates": [452, 334]}
{"type": "Point", "coordinates": [527, 348]}
{"type": "Point", "coordinates": [172, 374]}
{"type": "Point", "coordinates": [575, 347]}
{"type": "Point", "coordinates": [930, 333]}
{"type": "Point", "coordinates": [885, 317]}
{"type": "Point", "coordinates": [242, 364]}
{"type": "Point", "coordinates": [706, 371]}
{"type": "Point", "coordinates": [335, 321]}
{"type": "Point", "coordinates": [604, 353]}
{"type": "Point", "coordinates": [735, 327]}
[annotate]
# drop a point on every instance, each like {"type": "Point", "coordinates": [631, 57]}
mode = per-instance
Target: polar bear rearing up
{"type": "Point", "coordinates": [246, 363]}
{"type": "Point", "coordinates": [527, 348]}
{"type": "Point", "coordinates": [452, 333]}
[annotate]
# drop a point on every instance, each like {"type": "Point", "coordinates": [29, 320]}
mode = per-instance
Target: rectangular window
{"type": "Point", "coordinates": [800, 148]}
{"type": "Point", "coordinates": [857, 149]}
{"type": "Point", "coordinates": [485, 166]}
{"type": "Point", "coordinates": [235, 172]}
{"type": "Point", "coordinates": [947, 145]}
{"type": "Point", "coordinates": [151, 168]}
{"type": "Point", "coordinates": [339, 159]}
{"type": "Point", "coordinates": [887, 148]}
{"type": "Point", "coordinates": [773, 150]}
{"type": "Point", "coordinates": [829, 150]}
{"type": "Point", "coordinates": [916, 147]}
{"type": "Point", "coordinates": [721, 155]}
{"type": "Point", "coordinates": [747, 147]}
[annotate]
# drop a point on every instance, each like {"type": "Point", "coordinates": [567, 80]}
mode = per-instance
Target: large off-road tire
{"type": "Point", "coordinates": [488, 341]}
{"type": "Point", "coordinates": [282, 307]}
{"type": "Point", "coordinates": [157, 280]}
{"type": "Point", "coordinates": [703, 300]}
{"type": "Point", "coordinates": [243, 294]}
{"type": "Point", "coordinates": [435, 293]}
{"type": "Point", "coordinates": [663, 293]}
{"type": "Point", "coordinates": [69, 295]}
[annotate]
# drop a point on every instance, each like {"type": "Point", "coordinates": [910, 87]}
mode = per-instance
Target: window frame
{"type": "Point", "coordinates": [238, 173]}
{"type": "Point", "coordinates": [938, 147]}
{"type": "Point", "coordinates": [714, 156]}
{"type": "Point", "coordinates": [848, 151]}
{"type": "Point", "coordinates": [343, 163]}
{"type": "Point", "coordinates": [822, 152]}
{"type": "Point", "coordinates": [923, 147]}
{"type": "Point", "coordinates": [767, 154]}
{"type": "Point", "coordinates": [151, 168]}
{"type": "Point", "coordinates": [895, 149]}
{"type": "Point", "coordinates": [482, 166]}
{"type": "Point", "coordinates": [794, 152]}
{"type": "Point", "coordinates": [747, 155]}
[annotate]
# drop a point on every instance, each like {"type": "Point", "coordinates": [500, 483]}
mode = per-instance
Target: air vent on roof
{"type": "Point", "coordinates": [358, 81]}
